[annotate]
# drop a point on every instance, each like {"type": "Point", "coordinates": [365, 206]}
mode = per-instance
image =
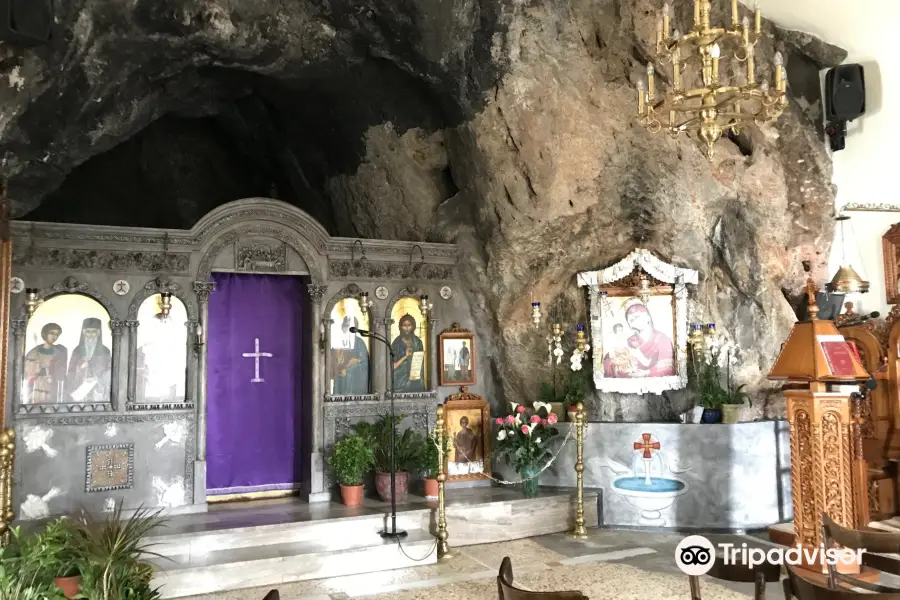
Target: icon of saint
{"type": "Point", "coordinates": [45, 367]}
{"type": "Point", "coordinates": [89, 368]}
{"type": "Point", "coordinates": [409, 368]}
{"type": "Point", "coordinates": [350, 361]}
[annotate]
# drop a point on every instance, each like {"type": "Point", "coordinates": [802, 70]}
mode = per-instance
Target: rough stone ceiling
{"type": "Point", "coordinates": [504, 126]}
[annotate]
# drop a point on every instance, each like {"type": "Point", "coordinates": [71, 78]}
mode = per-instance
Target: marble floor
{"type": "Point", "coordinates": [614, 565]}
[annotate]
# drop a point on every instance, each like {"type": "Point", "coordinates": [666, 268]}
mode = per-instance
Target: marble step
{"type": "Point", "coordinates": [274, 564]}
{"type": "Point", "coordinates": [200, 543]}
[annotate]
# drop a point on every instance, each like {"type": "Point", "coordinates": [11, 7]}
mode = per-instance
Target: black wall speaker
{"type": "Point", "coordinates": [26, 22]}
{"type": "Point", "coordinates": [845, 93]}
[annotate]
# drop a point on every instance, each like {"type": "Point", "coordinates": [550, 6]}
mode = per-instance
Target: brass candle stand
{"type": "Point", "coordinates": [442, 547]}
{"type": "Point", "coordinates": [7, 456]}
{"type": "Point", "coordinates": [579, 532]}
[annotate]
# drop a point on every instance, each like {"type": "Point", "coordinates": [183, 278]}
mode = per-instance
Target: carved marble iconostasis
{"type": "Point", "coordinates": [109, 372]}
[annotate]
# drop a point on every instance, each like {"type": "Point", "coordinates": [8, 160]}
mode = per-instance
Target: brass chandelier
{"type": "Point", "coordinates": [713, 108]}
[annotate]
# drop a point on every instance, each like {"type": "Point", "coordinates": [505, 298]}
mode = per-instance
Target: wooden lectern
{"type": "Point", "coordinates": [823, 371]}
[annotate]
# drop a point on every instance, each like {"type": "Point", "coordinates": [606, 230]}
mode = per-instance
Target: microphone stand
{"type": "Point", "coordinates": [393, 533]}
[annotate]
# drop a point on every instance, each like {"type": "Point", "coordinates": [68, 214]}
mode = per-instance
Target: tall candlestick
{"type": "Point", "coordinates": [735, 19]}
{"type": "Point", "coordinates": [650, 83]}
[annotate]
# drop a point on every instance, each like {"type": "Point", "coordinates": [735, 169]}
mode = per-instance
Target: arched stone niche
{"type": "Point", "coordinates": [139, 362]}
{"type": "Point", "coordinates": [74, 367]}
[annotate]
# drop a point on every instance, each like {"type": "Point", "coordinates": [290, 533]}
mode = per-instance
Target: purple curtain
{"type": "Point", "coordinates": [253, 418]}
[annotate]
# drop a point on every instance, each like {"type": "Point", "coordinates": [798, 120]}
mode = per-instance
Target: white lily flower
{"type": "Point", "coordinates": [515, 405]}
{"type": "Point", "coordinates": [531, 427]}
{"type": "Point", "coordinates": [537, 441]}
{"type": "Point", "coordinates": [502, 435]}
{"type": "Point", "coordinates": [539, 405]}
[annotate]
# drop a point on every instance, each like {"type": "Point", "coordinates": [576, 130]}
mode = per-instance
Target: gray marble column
{"type": "Point", "coordinates": [433, 359]}
{"type": "Point", "coordinates": [18, 327]}
{"type": "Point", "coordinates": [117, 328]}
{"type": "Point", "coordinates": [326, 355]}
{"type": "Point", "coordinates": [203, 289]}
{"type": "Point", "coordinates": [191, 374]}
{"type": "Point", "coordinates": [378, 359]}
{"type": "Point", "coordinates": [131, 393]}
{"type": "Point", "coordinates": [317, 492]}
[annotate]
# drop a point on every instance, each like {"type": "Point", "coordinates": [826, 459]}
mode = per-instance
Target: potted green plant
{"type": "Point", "coordinates": [351, 459]}
{"type": "Point", "coordinates": [431, 465]}
{"type": "Point", "coordinates": [576, 391]}
{"type": "Point", "coordinates": [732, 403]}
{"type": "Point", "coordinates": [408, 448]}
{"type": "Point", "coordinates": [112, 555]}
{"type": "Point", "coordinates": [22, 577]}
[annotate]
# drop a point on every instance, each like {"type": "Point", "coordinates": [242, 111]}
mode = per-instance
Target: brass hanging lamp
{"type": "Point", "coordinates": [846, 280]}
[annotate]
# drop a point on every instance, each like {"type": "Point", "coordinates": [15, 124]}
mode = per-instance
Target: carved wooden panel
{"type": "Point", "coordinates": [890, 243]}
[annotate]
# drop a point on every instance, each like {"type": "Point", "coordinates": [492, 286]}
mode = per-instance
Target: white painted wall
{"type": "Point", "coordinates": [868, 169]}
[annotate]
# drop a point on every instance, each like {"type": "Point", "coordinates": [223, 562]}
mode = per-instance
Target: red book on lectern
{"type": "Point", "coordinates": [839, 357]}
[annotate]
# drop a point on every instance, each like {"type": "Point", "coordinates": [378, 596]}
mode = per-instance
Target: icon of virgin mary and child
{"type": "Point", "coordinates": [646, 352]}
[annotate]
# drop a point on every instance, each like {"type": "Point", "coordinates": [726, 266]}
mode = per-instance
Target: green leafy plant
{"type": "Point", "coordinates": [351, 459]}
{"type": "Point", "coordinates": [112, 554]}
{"type": "Point", "coordinates": [19, 578]}
{"type": "Point", "coordinates": [570, 391]}
{"type": "Point", "coordinates": [408, 445]}
{"type": "Point", "coordinates": [430, 457]}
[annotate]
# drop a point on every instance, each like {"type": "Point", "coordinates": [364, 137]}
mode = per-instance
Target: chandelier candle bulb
{"type": "Point", "coordinates": [745, 32]}
{"type": "Point", "coordinates": [751, 66]}
{"type": "Point", "coordinates": [672, 119]}
{"type": "Point", "coordinates": [640, 88]}
{"type": "Point", "coordinates": [757, 19]}
{"type": "Point", "coordinates": [667, 11]}
{"type": "Point", "coordinates": [697, 13]}
{"type": "Point", "coordinates": [650, 83]}
{"type": "Point", "coordinates": [715, 52]}
{"type": "Point", "coordinates": [660, 27]}
{"type": "Point", "coordinates": [676, 69]}
{"type": "Point", "coordinates": [735, 19]}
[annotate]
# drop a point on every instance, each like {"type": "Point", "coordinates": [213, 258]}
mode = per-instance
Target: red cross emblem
{"type": "Point", "coordinates": [646, 445]}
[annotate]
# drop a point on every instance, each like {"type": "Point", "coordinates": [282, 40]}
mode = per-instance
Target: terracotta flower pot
{"type": "Point", "coordinates": [431, 488]}
{"type": "Point", "coordinates": [70, 586]}
{"type": "Point", "coordinates": [383, 485]}
{"type": "Point", "coordinates": [352, 494]}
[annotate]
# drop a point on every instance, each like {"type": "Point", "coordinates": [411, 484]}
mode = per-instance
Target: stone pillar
{"type": "Point", "coordinates": [202, 289]}
{"type": "Point", "coordinates": [19, 326]}
{"type": "Point", "coordinates": [317, 492]}
{"type": "Point", "coordinates": [117, 328]}
{"type": "Point", "coordinates": [432, 357]}
{"type": "Point", "coordinates": [191, 375]}
{"type": "Point", "coordinates": [326, 359]}
{"type": "Point", "coordinates": [131, 395]}
{"type": "Point", "coordinates": [379, 354]}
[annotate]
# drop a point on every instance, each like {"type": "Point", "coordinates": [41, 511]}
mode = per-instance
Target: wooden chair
{"type": "Point", "coordinates": [507, 591]}
{"type": "Point", "coordinates": [796, 586]}
{"type": "Point", "coordinates": [879, 542]}
{"type": "Point", "coordinates": [758, 575]}
{"type": "Point", "coordinates": [272, 595]}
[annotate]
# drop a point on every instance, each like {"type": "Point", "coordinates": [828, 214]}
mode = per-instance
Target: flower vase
{"type": "Point", "coordinates": [529, 476]}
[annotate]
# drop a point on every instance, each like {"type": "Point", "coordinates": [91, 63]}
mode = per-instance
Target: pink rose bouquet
{"type": "Point", "coordinates": [523, 437]}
